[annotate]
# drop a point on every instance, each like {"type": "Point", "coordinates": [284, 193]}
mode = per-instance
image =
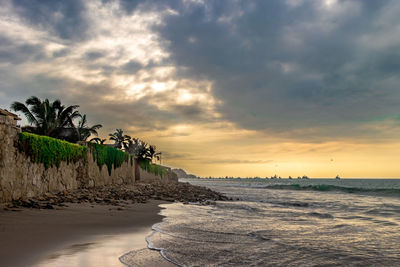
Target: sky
{"type": "Point", "coordinates": [222, 87]}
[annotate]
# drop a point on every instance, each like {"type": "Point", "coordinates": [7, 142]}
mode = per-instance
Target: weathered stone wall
{"type": "Point", "coordinates": [99, 176]}
{"type": "Point", "coordinates": [21, 178]}
{"type": "Point", "coordinates": [8, 120]}
{"type": "Point", "coordinates": [145, 176]}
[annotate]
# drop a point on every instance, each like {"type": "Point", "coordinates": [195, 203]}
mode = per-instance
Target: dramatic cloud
{"type": "Point", "coordinates": [292, 65]}
{"type": "Point", "coordinates": [63, 19]}
{"type": "Point", "coordinates": [232, 79]}
{"type": "Point", "coordinates": [99, 55]}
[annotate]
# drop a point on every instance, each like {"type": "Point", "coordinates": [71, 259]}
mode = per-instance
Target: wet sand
{"type": "Point", "coordinates": [78, 235]}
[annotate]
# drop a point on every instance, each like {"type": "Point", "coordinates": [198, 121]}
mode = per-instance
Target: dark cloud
{"type": "Point", "coordinates": [61, 53]}
{"type": "Point", "coordinates": [130, 5]}
{"type": "Point", "coordinates": [303, 71]}
{"type": "Point", "coordinates": [132, 67]}
{"type": "Point", "coordinates": [283, 68]}
{"type": "Point", "coordinates": [190, 111]}
{"type": "Point", "coordinates": [65, 19]}
{"type": "Point", "coordinates": [93, 55]}
{"type": "Point", "coordinates": [16, 53]}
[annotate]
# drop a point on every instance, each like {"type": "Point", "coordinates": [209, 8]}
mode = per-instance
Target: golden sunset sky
{"type": "Point", "coordinates": [222, 88]}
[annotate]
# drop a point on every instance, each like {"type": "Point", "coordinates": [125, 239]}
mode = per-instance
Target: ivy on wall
{"type": "Point", "coordinates": [109, 156]}
{"type": "Point", "coordinates": [50, 151]}
{"type": "Point", "coordinates": [152, 168]}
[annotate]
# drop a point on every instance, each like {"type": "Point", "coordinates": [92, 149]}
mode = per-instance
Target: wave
{"type": "Point", "coordinates": [327, 187]}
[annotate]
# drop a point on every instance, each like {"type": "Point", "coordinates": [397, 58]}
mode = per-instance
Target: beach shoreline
{"type": "Point", "coordinates": [41, 237]}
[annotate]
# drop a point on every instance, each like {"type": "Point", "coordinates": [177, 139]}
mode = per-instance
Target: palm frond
{"type": "Point", "coordinates": [33, 101]}
{"type": "Point", "coordinates": [18, 106]}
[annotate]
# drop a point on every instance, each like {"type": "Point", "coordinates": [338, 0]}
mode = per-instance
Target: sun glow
{"type": "Point", "coordinates": [185, 97]}
{"type": "Point", "coordinates": [330, 3]}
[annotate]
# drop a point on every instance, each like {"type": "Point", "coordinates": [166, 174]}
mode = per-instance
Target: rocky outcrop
{"type": "Point", "coordinates": [182, 173]}
{"type": "Point", "coordinates": [121, 195]}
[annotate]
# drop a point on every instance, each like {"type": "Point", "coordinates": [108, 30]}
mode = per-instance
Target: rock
{"type": "Point", "coordinates": [47, 206]}
{"type": "Point", "coordinates": [168, 199]}
{"type": "Point", "coordinates": [124, 194]}
{"type": "Point", "coordinates": [49, 195]}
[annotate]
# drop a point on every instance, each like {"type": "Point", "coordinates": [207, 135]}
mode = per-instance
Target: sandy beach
{"type": "Point", "coordinates": [90, 227]}
{"type": "Point", "coordinates": [82, 234]}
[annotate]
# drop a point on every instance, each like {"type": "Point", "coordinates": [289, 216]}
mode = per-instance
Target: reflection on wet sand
{"type": "Point", "coordinates": [100, 251]}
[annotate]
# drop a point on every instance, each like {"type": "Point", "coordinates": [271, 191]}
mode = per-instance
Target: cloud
{"type": "Point", "coordinates": [93, 55]}
{"type": "Point", "coordinates": [281, 67]}
{"type": "Point", "coordinates": [65, 19]}
{"type": "Point", "coordinates": [12, 53]}
{"type": "Point", "coordinates": [119, 66]}
{"type": "Point", "coordinates": [212, 77]}
{"type": "Point", "coordinates": [236, 161]}
{"type": "Point", "coordinates": [178, 156]}
{"type": "Point", "coordinates": [132, 67]}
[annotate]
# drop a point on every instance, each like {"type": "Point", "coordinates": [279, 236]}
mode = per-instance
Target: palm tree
{"type": "Point", "coordinates": [153, 154]}
{"type": "Point", "coordinates": [159, 156]}
{"type": "Point", "coordinates": [83, 131]}
{"type": "Point", "coordinates": [130, 146]}
{"type": "Point", "coordinates": [140, 149]}
{"type": "Point", "coordinates": [45, 117]}
{"type": "Point", "coordinates": [98, 140]}
{"type": "Point", "coordinates": [119, 138]}
{"type": "Point", "coordinates": [136, 147]}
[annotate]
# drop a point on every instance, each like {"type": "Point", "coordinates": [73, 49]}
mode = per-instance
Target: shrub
{"type": "Point", "coordinates": [152, 168]}
{"type": "Point", "coordinates": [109, 156]}
{"type": "Point", "coordinates": [50, 151]}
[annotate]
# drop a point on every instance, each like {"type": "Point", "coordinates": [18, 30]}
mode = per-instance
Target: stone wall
{"type": "Point", "coordinates": [21, 178]}
{"type": "Point", "coordinates": [8, 120]}
{"type": "Point", "coordinates": [147, 177]}
{"type": "Point", "coordinates": [99, 176]}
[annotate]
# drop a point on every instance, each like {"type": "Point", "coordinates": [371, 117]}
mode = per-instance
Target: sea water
{"type": "Point", "coordinates": [282, 222]}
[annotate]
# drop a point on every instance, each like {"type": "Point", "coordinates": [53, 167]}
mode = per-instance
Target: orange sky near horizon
{"type": "Point", "coordinates": [229, 151]}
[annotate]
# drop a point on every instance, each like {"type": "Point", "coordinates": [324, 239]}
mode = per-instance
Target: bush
{"type": "Point", "coordinates": [109, 156]}
{"type": "Point", "coordinates": [152, 168]}
{"type": "Point", "coordinates": [50, 151]}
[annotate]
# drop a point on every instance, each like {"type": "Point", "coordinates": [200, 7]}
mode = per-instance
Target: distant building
{"type": "Point", "coordinates": [9, 118]}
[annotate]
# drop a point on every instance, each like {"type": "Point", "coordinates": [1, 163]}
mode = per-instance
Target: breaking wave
{"type": "Point", "coordinates": [325, 187]}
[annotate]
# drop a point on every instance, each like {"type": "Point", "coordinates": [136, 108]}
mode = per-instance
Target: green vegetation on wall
{"type": "Point", "coordinates": [109, 156]}
{"type": "Point", "coordinates": [152, 168]}
{"type": "Point", "coordinates": [50, 151]}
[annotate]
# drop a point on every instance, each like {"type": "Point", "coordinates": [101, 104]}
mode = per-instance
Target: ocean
{"type": "Point", "coordinates": [282, 222]}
